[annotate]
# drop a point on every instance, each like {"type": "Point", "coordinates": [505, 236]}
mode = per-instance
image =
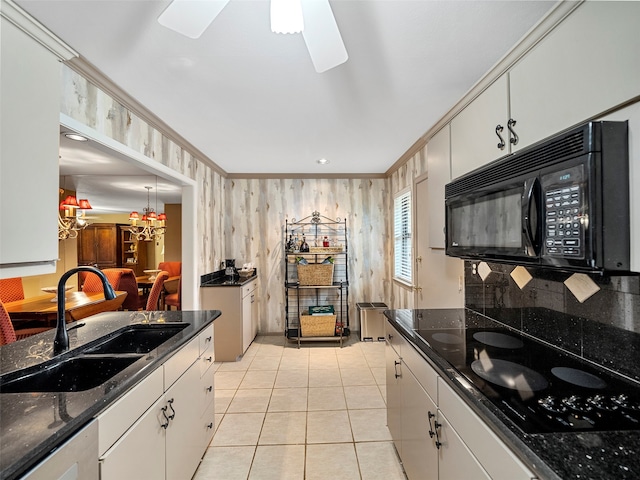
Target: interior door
{"type": "Point", "coordinates": [439, 280]}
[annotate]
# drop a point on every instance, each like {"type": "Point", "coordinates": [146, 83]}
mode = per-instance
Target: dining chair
{"type": "Point", "coordinates": [121, 279]}
{"type": "Point", "coordinates": [8, 334]}
{"type": "Point", "coordinates": [156, 290]}
{"type": "Point", "coordinates": [174, 269]}
{"type": "Point", "coordinates": [174, 299]}
{"type": "Point", "coordinates": [11, 289]}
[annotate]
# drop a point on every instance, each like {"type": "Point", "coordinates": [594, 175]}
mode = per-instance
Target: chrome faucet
{"type": "Point", "coordinates": [61, 341]}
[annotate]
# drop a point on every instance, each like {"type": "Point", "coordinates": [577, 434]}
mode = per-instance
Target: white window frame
{"type": "Point", "coordinates": [403, 237]}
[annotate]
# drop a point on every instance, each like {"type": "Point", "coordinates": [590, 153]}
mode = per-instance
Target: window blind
{"type": "Point", "coordinates": [402, 236]}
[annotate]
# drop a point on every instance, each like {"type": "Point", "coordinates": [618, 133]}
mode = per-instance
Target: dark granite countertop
{"type": "Point", "coordinates": [33, 424]}
{"type": "Point", "coordinates": [219, 279]}
{"type": "Point", "coordinates": [579, 455]}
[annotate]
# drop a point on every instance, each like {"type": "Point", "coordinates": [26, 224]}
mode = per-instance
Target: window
{"type": "Point", "coordinates": [402, 236]}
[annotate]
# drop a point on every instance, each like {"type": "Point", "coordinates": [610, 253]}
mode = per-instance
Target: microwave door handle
{"type": "Point", "coordinates": [531, 214]}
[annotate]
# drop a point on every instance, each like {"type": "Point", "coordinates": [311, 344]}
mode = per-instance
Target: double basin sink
{"type": "Point", "coordinates": [93, 364]}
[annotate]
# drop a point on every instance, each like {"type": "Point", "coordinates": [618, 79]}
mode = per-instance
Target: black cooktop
{"type": "Point", "coordinates": [539, 387]}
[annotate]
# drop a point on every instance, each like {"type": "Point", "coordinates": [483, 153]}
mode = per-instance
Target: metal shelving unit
{"type": "Point", "coordinates": [316, 229]}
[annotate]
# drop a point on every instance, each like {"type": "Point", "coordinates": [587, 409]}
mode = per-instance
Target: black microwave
{"type": "Point", "coordinates": [562, 203]}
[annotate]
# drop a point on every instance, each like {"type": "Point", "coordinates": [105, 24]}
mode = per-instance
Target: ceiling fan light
{"type": "Point", "coordinates": [286, 16]}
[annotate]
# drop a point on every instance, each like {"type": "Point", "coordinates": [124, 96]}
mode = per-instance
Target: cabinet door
{"type": "Point", "coordinates": [455, 460]}
{"type": "Point", "coordinates": [247, 322]}
{"type": "Point", "coordinates": [106, 246]}
{"type": "Point", "coordinates": [473, 138]}
{"type": "Point", "coordinates": [394, 399]}
{"type": "Point", "coordinates": [254, 314]}
{"type": "Point", "coordinates": [183, 444]}
{"type": "Point", "coordinates": [29, 144]}
{"type": "Point", "coordinates": [140, 452]}
{"type": "Point", "coordinates": [87, 246]}
{"type": "Point", "coordinates": [586, 65]}
{"type": "Point", "coordinates": [419, 452]}
{"type": "Point", "coordinates": [439, 170]}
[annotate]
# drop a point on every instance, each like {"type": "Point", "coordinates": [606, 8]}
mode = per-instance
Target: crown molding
{"type": "Point", "coordinates": [29, 25]}
{"type": "Point", "coordinates": [317, 176]}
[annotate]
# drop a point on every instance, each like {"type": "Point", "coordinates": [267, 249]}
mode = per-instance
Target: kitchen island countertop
{"type": "Point", "coordinates": [34, 424]}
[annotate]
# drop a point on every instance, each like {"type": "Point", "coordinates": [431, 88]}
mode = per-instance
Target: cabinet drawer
{"type": "Point", "coordinates": [426, 376]}
{"type": "Point", "coordinates": [205, 340]}
{"type": "Point", "coordinates": [207, 426]}
{"type": "Point", "coordinates": [180, 362]}
{"type": "Point", "coordinates": [205, 362]}
{"type": "Point", "coordinates": [206, 390]}
{"type": "Point", "coordinates": [116, 419]}
{"type": "Point", "coordinates": [393, 338]}
{"type": "Point", "coordinates": [494, 456]}
{"type": "Point", "coordinates": [249, 287]}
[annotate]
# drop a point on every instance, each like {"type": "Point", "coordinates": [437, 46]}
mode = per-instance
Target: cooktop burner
{"type": "Point", "coordinates": [509, 375]}
{"type": "Point", "coordinates": [447, 338]}
{"type": "Point", "coordinates": [542, 389]}
{"type": "Point", "coordinates": [499, 340]}
{"type": "Point", "coordinates": [578, 377]}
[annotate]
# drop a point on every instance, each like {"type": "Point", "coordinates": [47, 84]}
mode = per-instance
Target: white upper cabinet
{"type": "Point", "coordinates": [474, 141]}
{"type": "Point", "coordinates": [588, 64]}
{"type": "Point", "coordinates": [29, 141]}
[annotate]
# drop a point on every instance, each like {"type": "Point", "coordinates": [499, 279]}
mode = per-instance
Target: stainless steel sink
{"type": "Point", "coordinates": [73, 374]}
{"type": "Point", "coordinates": [136, 339]}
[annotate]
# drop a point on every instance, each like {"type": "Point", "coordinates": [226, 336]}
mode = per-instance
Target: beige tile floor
{"type": "Point", "coordinates": [313, 413]}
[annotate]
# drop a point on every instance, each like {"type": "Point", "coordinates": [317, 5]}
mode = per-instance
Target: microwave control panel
{"type": "Point", "coordinates": [564, 213]}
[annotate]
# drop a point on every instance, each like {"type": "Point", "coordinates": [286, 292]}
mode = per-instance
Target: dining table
{"type": "Point", "coordinates": [42, 311]}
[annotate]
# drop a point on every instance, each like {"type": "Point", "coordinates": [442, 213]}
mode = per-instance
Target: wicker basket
{"type": "Point", "coordinates": [318, 325]}
{"type": "Point", "coordinates": [316, 274]}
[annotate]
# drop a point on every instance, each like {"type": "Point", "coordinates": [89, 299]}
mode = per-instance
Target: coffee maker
{"type": "Point", "coordinates": [230, 267]}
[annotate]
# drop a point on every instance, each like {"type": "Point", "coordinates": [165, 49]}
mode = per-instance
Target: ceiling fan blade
{"type": "Point", "coordinates": [191, 17]}
{"type": "Point", "coordinates": [322, 36]}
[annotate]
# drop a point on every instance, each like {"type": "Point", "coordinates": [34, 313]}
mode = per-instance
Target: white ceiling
{"type": "Point", "coordinates": [251, 100]}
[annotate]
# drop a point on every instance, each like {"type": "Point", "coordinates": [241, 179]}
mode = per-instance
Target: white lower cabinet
{"type": "Point", "coordinates": [238, 325]}
{"type": "Point", "coordinates": [455, 460]}
{"type": "Point", "coordinates": [436, 434]}
{"type": "Point", "coordinates": [419, 449]}
{"type": "Point", "coordinates": [170, 437]}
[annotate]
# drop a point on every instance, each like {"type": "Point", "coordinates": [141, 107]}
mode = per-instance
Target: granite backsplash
{"type": "Point", "coordinates": [604, 329]}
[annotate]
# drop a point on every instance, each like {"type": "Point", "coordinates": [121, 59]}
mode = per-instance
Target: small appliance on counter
{"type": "Point", "coordinates": [230, 267]}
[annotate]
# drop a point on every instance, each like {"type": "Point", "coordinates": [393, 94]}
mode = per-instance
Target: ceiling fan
{"type": "Point", "coordinates": [314, 18]}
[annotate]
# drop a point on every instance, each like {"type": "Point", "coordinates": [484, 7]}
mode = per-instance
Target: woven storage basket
{"type": "Point", "coordinates": [318, 325]}
{"type": "Point", "coordinates": [316, 274]}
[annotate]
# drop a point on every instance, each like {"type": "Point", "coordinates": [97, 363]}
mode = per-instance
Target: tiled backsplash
{"type": "Point", "coordinates": [605, 328]}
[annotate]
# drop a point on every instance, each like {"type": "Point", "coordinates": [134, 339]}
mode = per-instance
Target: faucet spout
{"type": "Point", "coordinates": [61, 340]}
